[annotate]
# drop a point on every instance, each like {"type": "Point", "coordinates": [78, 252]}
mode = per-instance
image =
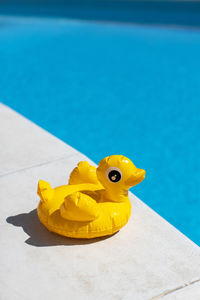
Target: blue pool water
{"type": "Point", "coordinates": [114, 89]}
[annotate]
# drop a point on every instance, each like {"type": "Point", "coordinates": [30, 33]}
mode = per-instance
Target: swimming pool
{"type": "Point", "coordinates": [114, 89]}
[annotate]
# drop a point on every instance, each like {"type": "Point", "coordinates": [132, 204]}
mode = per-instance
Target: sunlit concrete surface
{"type": "Point", "coordinates": [147, 259]}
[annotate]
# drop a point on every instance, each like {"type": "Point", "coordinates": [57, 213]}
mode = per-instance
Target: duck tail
{"type": "Point", "coordinates": [45, 191]}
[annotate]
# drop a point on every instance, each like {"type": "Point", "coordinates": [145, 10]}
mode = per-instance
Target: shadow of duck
{"type": "Point", "coordinates": [39, 236]}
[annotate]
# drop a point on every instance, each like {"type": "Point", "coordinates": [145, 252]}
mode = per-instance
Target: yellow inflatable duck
{"type": "Point", "coordinates": [94, 203]}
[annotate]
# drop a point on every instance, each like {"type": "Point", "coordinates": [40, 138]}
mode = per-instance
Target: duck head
{"type": "Point", "coordinates": [118, 174]}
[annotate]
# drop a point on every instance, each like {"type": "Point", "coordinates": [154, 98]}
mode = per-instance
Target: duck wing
{"type": "Point", "coordinates": [84, 173]}
{"type": "Point", "coordinates": [79, 207]}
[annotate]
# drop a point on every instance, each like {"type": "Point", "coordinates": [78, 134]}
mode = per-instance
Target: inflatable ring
{"type": "Point", "coordinates": [95, 201]}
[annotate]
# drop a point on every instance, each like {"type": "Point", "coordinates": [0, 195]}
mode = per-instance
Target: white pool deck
{"type": "Point", "coordinates": [147, 260]}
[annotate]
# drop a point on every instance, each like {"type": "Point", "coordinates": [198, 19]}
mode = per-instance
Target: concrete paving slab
{"type": "Point", "coordinates": [190, 290]}
{"type": "Point", "coordinates": [23, 144]}
{"type": "Point", "coordinates": [147, 259]}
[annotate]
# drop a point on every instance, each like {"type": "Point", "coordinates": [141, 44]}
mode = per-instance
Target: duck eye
{"type": "Point", "coordinates": [114, 175]}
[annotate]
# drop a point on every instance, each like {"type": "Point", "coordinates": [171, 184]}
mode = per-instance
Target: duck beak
{"type": "Point", "coordinates": [136, 178]}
